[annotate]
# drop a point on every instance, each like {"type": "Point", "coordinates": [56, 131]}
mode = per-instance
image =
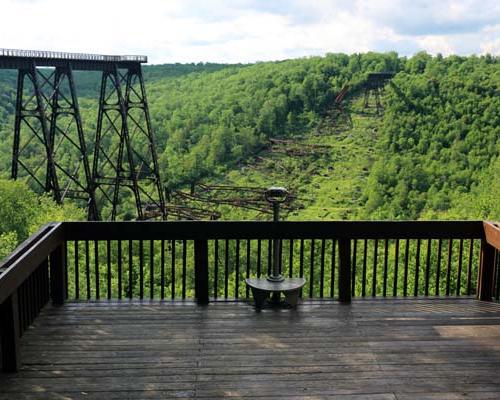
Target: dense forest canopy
{"type": "Point", "coordinates": [434, 155]}
{"type": "Point", "coordinates": [441, 134]}
{"type": "Point", "coordinates": [217, 120]}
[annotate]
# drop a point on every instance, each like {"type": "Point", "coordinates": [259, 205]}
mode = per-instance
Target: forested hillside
{"type": "Point", "coordinates": [214, 121]}
{"type": "Point", "coordinates": [441, 137]}
{"type": "Point", "coordinates": [432, 153]}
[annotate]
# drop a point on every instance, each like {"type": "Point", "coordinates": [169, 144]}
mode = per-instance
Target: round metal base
{"type": "Point", "coordinates": [278, 278]}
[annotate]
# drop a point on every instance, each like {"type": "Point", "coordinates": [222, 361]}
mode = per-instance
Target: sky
{"type": "Point", "coordinates": [242, 31]}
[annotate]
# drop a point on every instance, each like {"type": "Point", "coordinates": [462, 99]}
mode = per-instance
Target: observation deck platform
{"type": "Point", "coordinates": [379, 349]}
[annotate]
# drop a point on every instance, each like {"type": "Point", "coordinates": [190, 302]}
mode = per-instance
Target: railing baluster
{"type": "Point", "coordinates": [35, 289]}
{"type": "Point", "coordinates": [448, 268]}
{"type": "Point", "coordinates": [417, 268]}
{"type": "Point", "coordinates": [237, 272]}
{"type": "Point", "coordinates": [130, 264]}
{"type": "Point", "coordinates": [119, 265]}
{"type": "Point", "coordinates": [201, 271]}
{"type": "Point", "coordinates": [87, 268]}
{"type": "Point", "coordinates": [29, 300]}
{"type": "Point", "coordinates": [77, 271]}
{"type": "Point", "coordinates": [290, 259]}
{"type": "Point", "coordinates": [375, 262]}
{"type": "Point", "coordinates": [405, 278]}
{"type": "Point", "coordinates": [26, 305]}
{"type": "Point", "coordinates": [459, 272]}
{"type": "Point", "coordinates": [365, 256]}
{"type": "Point", "coordinates": [469, 269]}
{"type": "Point", "coordinates": [226, 270]}
{"type": "Point", "coordinates": [141, 269]}
{"type": "Point", "coordinates": [40, 286]}
{"type": "Point", "coordinates": [311, 271]}
{"type": "Point", "coordinates": [438, 266]}
{"type": "Point", "coordinates": [322, 269]}
{"type": "Point", "coordinates": [41, 271]}
{"type": "Point", "coordinates": [33, 293]}
{"type": "Point", "coordinates": [354, 259]}
{"type": "Point", "coordinates": [173, 255]}
{"type": "Point", "coordinates": [386, 256]}
{"type": "Point", "coordinates": [301, 258]}
{"type": "Point", "coordinates": [96, 267]}
{"type": "Point", "coordinates": [332, 274]}
{"type": "Point", "coordinates": [247, 289]}
{"type": "Point", "coordinates": [151, 269]}
{"type": "Point", "coordinates": [344, 270]}
{"type": "Point", "coordinates": [184, 268]}
{"type": "Point", "coordinates": [162, 269]}
{"type": "Point", "coordinates": [46, 282]}
{"type": "Point", "coordinates": [259, 257]}
{"type": "Point", "coordinates": [21, 304]}
{"type": "Point", "coordinates": [301, 262]}
{"type": "Point", "coordinates": [216, 268]}
{"type": "Point", "coordinates": [427, 267]}
{"type": "Point", "coordinates": [66, 281]}
{"type": "Point", "coordinates": [396, 268]}
{"type": "Point", "coordinates": [269, 256]}
{"type": "Point", "coordinates": [39, 290]}
{"type": "Point", "coordinates": [108, 262]}
{"type": "Point", "coordinates": [280, 247]}
{"type": "Point", "coordinates": [26, 314]}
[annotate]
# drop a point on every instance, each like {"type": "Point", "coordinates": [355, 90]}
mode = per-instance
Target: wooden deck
{"type": "Point", "coordinates": [373, 349]}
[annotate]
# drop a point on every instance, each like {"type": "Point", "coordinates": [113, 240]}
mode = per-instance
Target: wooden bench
{"type": "Point", "coordinates": [262, 288]}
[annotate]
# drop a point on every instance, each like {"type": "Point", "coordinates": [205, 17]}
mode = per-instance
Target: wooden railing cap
{"type": "Point", "coordinates": [492, 233]}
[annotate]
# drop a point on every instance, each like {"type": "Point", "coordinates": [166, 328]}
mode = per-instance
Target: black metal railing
{"type": "Point", "coordinates": [385, 258]}
{"type": "Point", "coordinates": [164, 269]}
{"type": "Point", "coordinates": [209, 261]}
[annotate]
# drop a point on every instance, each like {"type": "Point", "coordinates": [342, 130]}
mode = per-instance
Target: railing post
{"type": "Point", "coordinates": [9, 333]}
{"type": "Point", "coordinates": [344, 270]}
{"type": "Point", "coordinates": [201, 271]}
{"type": "Point", "coordinates": [485, 280]}
{"type": "Point", "coordinates": [58, 275]}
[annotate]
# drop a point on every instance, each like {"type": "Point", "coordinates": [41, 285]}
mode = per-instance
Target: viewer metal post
{"type": "Point", "coordinates": [276, 196]}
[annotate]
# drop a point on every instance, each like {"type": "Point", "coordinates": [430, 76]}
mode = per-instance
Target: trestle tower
{"type": "Point", "coordinates": [107, 170]}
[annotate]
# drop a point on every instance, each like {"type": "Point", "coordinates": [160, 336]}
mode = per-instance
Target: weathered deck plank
{"type": "Point", "coordinates": [394, 349]}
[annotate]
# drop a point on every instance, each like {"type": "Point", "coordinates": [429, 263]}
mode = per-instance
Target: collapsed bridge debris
{"type": "Point", "coordinates": [298, 149]}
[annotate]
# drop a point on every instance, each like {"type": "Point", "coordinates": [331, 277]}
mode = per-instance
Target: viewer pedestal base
{"type": "Point", "coordinates": [262, 288]}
